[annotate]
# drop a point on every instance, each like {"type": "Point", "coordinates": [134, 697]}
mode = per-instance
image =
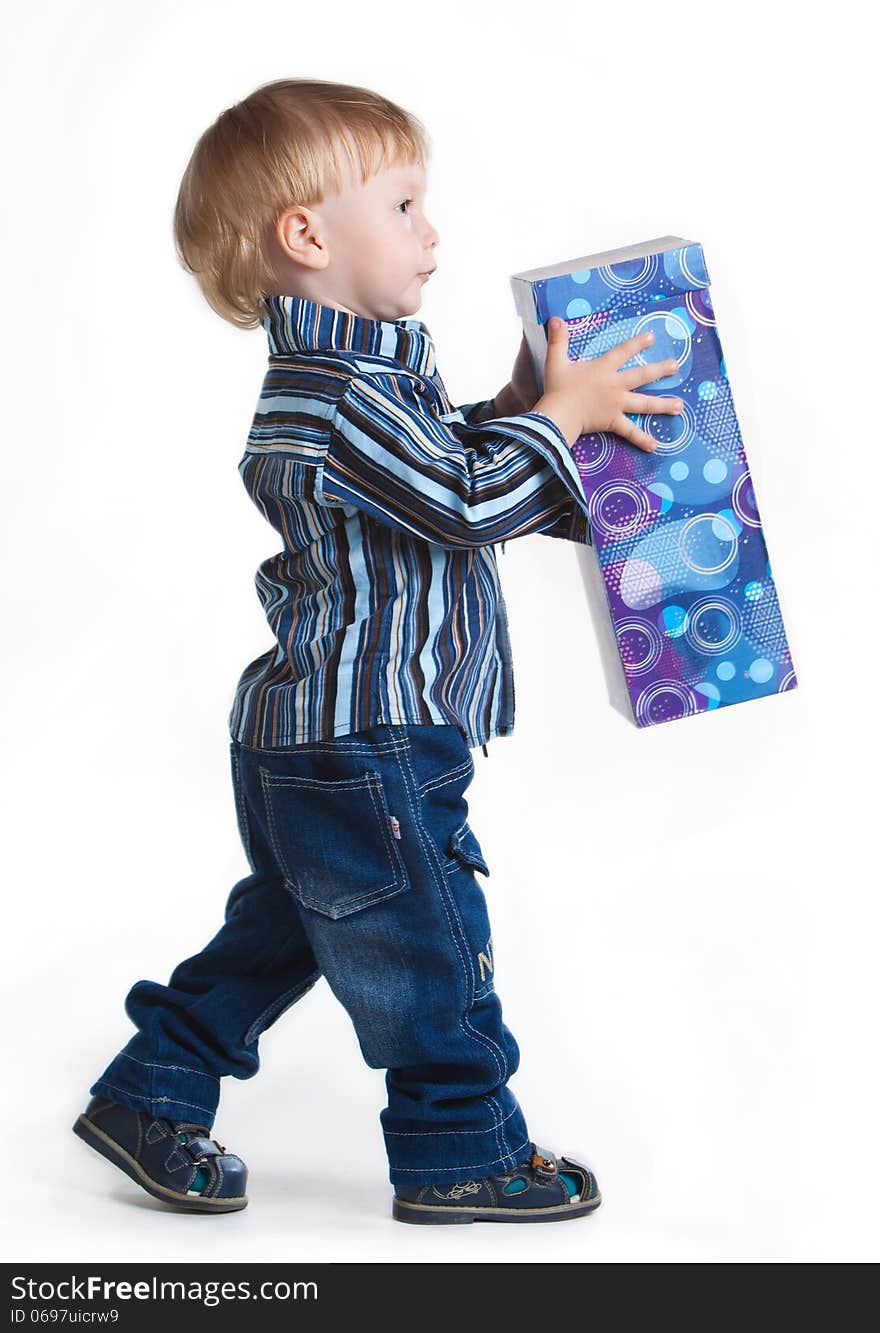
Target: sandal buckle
{"type": "Point", "coordinates": [543, 1165]}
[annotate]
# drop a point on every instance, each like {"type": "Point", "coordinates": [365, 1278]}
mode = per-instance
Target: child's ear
{"type": "Point", "coordinates": [299, 237]}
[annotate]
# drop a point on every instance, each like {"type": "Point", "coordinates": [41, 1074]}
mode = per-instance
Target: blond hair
{"type": "Point", "coordinates": [281, 146]}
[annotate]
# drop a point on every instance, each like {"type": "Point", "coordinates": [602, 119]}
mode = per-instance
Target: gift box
{"type": "Point", "coordinates": [677, 536]}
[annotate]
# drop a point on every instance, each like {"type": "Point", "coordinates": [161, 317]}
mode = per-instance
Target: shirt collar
{"type": "Point", "coordinates": [295, 324]}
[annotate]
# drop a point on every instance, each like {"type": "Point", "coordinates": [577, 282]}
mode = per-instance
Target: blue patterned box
{"type": "Point", "coordinates": [676, 532]}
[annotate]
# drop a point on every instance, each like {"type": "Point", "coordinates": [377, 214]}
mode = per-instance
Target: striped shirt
{"type": "Point", "coordinates": [385, 603]}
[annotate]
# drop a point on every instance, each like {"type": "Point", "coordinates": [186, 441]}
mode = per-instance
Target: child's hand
{"type": "Point", "coordinates": [585, 396]}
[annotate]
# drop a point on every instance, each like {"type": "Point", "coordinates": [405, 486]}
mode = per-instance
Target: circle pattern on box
{"type": "Point", "coordinates": [676, 530]}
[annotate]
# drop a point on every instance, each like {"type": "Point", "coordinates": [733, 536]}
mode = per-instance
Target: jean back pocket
{"type": "Point", "coordinates": [335, 840]}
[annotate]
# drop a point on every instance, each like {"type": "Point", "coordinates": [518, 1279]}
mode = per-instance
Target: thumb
{"type": "Point", "coordinates": [557, 335]}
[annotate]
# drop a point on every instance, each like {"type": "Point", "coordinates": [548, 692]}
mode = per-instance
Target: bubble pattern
{"type": "Point", "coordinates": [677, 532]}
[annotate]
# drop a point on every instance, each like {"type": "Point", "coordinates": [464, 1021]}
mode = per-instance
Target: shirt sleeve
{"type": "Point", "coordinates": [454, 483]}
{"type": "Point", "coordinates": [474, 413]}
{"type": "Point", "coordinates": [572, 524]}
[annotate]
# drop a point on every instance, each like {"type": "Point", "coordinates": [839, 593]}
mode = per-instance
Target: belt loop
{"type": "Point", "coordinates": [485, 751]}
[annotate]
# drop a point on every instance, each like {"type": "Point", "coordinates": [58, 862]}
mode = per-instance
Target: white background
{"type": "Point", "coordinates": [685, 917]}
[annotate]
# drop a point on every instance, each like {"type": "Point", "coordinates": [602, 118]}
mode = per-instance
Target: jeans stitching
{"type": "Point", "coordinates": [371, 781]}
{"type": "Point", "coordinates": [439, 1133]}
{"type": "Point", "coordinates": [273, 831]}
{"type": "Point", "coordinates": [459, 854]}
{"type": "Point", "coordinates": [175, 1101]}
{"type": "Point", "coordinates": [351, 905]}
{"type": "Point", "coordinates": [457, 866]}
{"type": "Point", "coordinates": [380, 805]}
{"type": "Point", "coordinates": [324, 747]}
{"type": "Point", "coordinates": [472, 1166]}
{"type": "Point", "coordinates": [243, 825]}
{"type": "Point", "coordinates": [443, 778]}
{"type": "Point", "coordinates": [285, 1000]}
{"type": "Point", "coordinates": [465, 962]}
{"type": "Point", "coordinates": [152, 1064]}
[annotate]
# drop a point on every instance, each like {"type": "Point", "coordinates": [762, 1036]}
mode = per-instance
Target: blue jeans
{"type": "Point", "coordinates": [362, 864]}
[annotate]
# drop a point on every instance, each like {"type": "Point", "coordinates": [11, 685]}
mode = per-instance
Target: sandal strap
{"type": "Point", "coordinates": [207, 1155]}
{"type": "Point", "coordinates": [190, 1126]}
{"type": "Point", "coordinates": [200, 1148]}
{"type": "Point", "coordinates": [196, 1134]}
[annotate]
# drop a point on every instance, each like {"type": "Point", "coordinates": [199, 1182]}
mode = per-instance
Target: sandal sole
{"type": "Point", "coordinates": [115, 1153]}
{"type": "Point", "coordinates": [423, 1212]}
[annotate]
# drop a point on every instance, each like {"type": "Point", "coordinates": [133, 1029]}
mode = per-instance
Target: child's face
{"type": "Point", "coordinates": [364, 250]}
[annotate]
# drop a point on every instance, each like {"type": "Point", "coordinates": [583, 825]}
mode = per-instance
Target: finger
{"type": "Point", "coordinates": [618, 356]}
{"type": "Point", "coordinates": [649, 402]}
{"type": "Point", "coordinates": [652, 370]}
{"type": "Point", "coordinates": [557, 330]}
{"type": "Point", "coordinates": [630, 432]}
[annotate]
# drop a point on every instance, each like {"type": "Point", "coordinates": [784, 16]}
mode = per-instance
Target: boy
{"type": "Point", "coordinates": [302, 210]}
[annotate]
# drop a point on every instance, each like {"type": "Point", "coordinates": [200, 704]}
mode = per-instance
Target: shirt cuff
{"type": "Point", "coordinates": [474, 413]}
{"type": "Point", "coordinates": [572, 525]}
{"type": "Point", "coordinates": [549, 441]}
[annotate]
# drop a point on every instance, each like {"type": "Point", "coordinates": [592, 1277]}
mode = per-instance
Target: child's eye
{"type": "Point", "coordinates": [404, 202]}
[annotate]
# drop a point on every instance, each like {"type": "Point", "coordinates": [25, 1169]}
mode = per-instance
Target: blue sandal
{"type": "Point", "coordinates": [543, 1189]}
{"type": "Point", "coordinates": [174, 1160]}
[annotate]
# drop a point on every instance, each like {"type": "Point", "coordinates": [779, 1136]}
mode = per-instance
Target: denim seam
{"type": "Point", "coordinates": [464, 1024]}
{"type": "Point", "coordinates": [443, 778]}
{"type": "Point", "coordinates": [472, 1166]}
{"type": "Point", "coordinates": [289, 997]}
{"type": "Point", "coordinates": [241, 809]}
{"type": "Point", "coordinates": [463, 960]}
{"type": "Point", "coordinates": [351, 905]}
{"type": "Point", "coordinates": [474, 994]}
{"type": "Point", "coordinates": [176, 1101]}
{"type": "Point", "coordinates": [152, 1064]}
{"type": "Point", "coordinates": [372, 782]}
{"type": "Point", "coordinates": [434, 1133]}
{"type": "Point", "coordinates": [324, 747]}
{"type": "Point", "coordinates": [456, 834]}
